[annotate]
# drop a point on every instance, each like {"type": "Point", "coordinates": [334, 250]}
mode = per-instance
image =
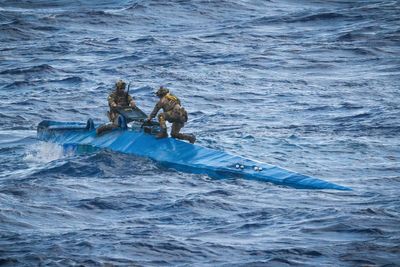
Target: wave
{"type": "Point", "coordinates": [347, 118]}
{"type": "Point", "coordinates": [133, 57]}
{"type": "Point", "coordinates": [346, 228]}
{"type": "Point", "coordinates": [90, 16]}
{"type": "Point", "coordinates": [11, 33]}
{"type": "Point", "coordinates": [44, 68]}
{"type": "Point", "coordinates": [26, 5]}
{"type": "Point", "coordinates": [320, 16]}
{"type": "Point", "coordinates": [138, 6]}
{"type": "Point", "coordinates": [72, 80]}
{"type": "Point", "coordinates": [102, 204]}
{"type": "Point", "coordinates": [43, 152]}
{"type": "Point", "coordinates": [146, 40]}
{"type": "Point", "coordinates": [18, 29]}
{"type": "Point", "coordinates": [305, 85]}
{"type": "Point", "coordinates": [298, 18]}
{"type": "Point", "coordinates": [69, 169]}
{"type": "Point", "coordinates": [15, 223]}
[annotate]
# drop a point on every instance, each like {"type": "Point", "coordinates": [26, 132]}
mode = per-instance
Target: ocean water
{"type": "Point", "coordinates": [312, 86]}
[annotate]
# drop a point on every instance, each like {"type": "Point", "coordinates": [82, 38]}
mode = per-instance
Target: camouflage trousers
{"type": "Point", "coordinates": [177, 125]}
{"type": "Point", "coordinates": [112, 116]}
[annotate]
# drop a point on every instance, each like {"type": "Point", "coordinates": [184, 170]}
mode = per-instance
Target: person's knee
{"type": "Point", "coordinates": [174, 134]}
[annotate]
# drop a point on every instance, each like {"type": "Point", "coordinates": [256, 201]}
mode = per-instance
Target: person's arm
{"type": "Point", "coordinates": [111, 101]}
{"type": "Point", "coordinates": [157, 108]}
{"type": "Point", "coordinates": [131, 101]}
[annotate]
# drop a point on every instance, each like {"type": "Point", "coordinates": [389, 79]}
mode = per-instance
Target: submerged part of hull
{"type": "Point", "coordinates": [177, 154]}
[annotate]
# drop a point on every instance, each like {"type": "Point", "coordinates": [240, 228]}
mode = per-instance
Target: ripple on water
{"type": "Point", "coordinates": [312, 87]}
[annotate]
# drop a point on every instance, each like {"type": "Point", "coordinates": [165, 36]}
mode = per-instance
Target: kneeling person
{"type": "Point", "coordinates": [173, 112]}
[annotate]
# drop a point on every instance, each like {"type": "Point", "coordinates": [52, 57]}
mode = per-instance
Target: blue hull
{"type": "Point", "coordinates": [177, 154]}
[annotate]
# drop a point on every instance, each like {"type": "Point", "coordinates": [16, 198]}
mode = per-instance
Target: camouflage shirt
{"type": "Point", "coordinates": [119, 99]}
{"type": "Point", "coordinates": [167, 103]}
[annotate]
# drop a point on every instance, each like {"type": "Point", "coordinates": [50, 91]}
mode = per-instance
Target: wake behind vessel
{"type": "Point", "coordinates": [137, 137]}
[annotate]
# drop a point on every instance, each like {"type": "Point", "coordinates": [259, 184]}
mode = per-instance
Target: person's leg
{"type": "Point", "coordinates": [112, 116]}
{"type": "Point", "coordinates": [175, 133]}
{"type": "Point", "coordinates": [175, 129]}
{"type": "Point", "coordinates": [163, 126]}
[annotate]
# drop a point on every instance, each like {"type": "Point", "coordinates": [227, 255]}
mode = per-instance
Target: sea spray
{"type": "Point", "coordinates": [44, 152]}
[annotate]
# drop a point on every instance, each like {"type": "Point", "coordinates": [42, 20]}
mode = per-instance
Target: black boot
{"type": "Point", "coordinates": [162, 134]}
{"type": "Point", "coordinates": [188, 137]}
{"type": "Point", "coordinates": [191, 138]}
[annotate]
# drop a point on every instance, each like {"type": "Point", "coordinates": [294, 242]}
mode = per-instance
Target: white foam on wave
{"type": "Point", "coordinates": [44, 152]}
{"type": "Point", "coordinates": [36, 156]}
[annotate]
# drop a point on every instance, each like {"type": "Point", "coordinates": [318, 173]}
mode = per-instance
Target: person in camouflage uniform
{"type": "Point", "coordinates": [173, 112]}
{"type": "Point", "coordinates": [118, 99]}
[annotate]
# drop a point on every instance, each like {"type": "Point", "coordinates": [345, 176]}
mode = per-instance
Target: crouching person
{"type": "Point", "coordinates": [173, 112]}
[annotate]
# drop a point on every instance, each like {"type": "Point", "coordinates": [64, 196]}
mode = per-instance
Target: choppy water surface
{"type": "Point", "coordinates": [311, 86]}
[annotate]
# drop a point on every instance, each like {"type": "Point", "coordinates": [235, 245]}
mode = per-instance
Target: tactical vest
{"type": "Point", "coordinates": [179, 114]}
{"type": "Point", "coordinates": [169, 102]}
{"type": "Point", "coordinates": [173, 98]}
{"type": "Point", "coordinates": [121, 100]}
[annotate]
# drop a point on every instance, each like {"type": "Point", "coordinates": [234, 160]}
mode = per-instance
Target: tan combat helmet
{"type": "Point", "coordinates": [120, 84]}
{"type": "Point", "coordinates": [162, 91]}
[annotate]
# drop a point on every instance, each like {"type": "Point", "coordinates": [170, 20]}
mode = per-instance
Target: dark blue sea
{"type": "Point", "coordinates": [311, 86]}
